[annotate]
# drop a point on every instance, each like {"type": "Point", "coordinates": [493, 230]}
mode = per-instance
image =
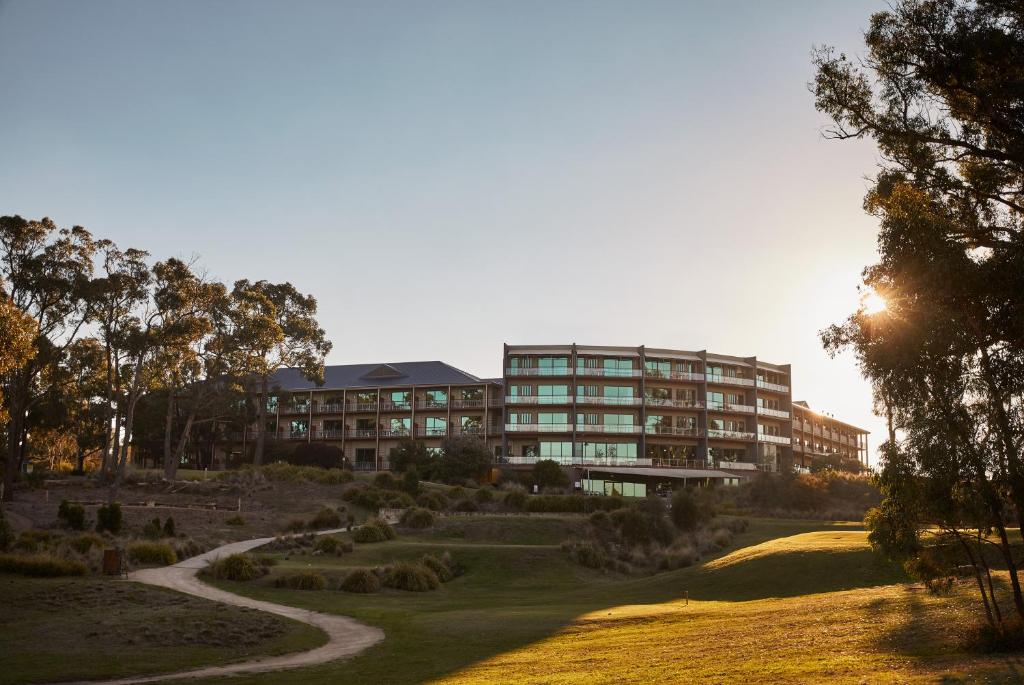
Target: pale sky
{"type": "Point", "coordinates": [448, 176]}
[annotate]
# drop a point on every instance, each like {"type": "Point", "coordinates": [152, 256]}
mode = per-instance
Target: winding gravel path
{"type": "Point", "coordinates": [345, 636]}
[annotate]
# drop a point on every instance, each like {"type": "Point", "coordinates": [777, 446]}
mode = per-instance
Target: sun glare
{"type": "Point", "coordinates": [874, 303]}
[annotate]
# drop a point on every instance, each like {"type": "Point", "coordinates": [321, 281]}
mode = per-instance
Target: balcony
{"type": "Point", "coordinates": [538, 399]}
{"type": "Point", "coordinates": [609, 401]}
{"type": "Point", "coordinates": [774, 387]}
{"type": "Point", "coordinates": [729, 380]}
{"type": "Point", "coordinates": [730, 407]}
{"type": "Point", "coordinates": [467, 404]}
{"type": "Point", "coordinates": [673, 404]}
{"type": "Point", "coordinates": [601, 428]}
{"type": "Point", "coordinates": [777, 413]}
{"type": "Point", "coordinates": [557, 371]}
{"type": "Point", "coordinates": [330, 408]}
{"type": "Point", "coordinates": [715, 433]}
{"type": "Point", "coordinates": [600, 372]}
{"type": "Point", "coordinates": [673, 430]}
{"type": "Point", "coordinates": [328, 434]}
{"type": "Point", "coordinates": [361, 433]}
{"type": "Point", "coordinates": [363, 406]}
{"type": "Point", "coordinates": [776, 439]}
{"type": "Point", "coordinates": [538, 427]}
{"type": "Point", "coordinates": [675, 375]}
{"type": "Point", "coordinates": [395, 406]}
{"type": "Point", "coordinates": [432, 405]}
{"type": "Point", "coordinates": [294, 408]}
{"type": "Point", "coordinates": [431, 432]}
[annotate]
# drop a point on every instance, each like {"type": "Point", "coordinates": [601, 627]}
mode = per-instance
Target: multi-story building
{"type": "Point", "coordinates": [582, 406]}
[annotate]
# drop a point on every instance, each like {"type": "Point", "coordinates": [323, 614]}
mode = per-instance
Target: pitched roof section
{"type": "Point", "coordinates": [376, 375]}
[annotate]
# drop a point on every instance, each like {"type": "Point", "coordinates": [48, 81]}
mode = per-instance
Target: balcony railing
{"type": "Point", "coordinates": [294, 408]}
{"type": "Point", "coordinates": [468, 404]}
{"type": "Point", "coordinates": [730, 435]}
{"type": "Point", "coordinates": [768, 411]}
{"type": "Point", "coordinates": [674, 404]}
{"type": "Point", "coordinates": [729, 380]}
{"type": "Point", "coordinates": [609, 401]}
{"type": "Point", "coordinates": [556, 371]}
{"type": "Point", "coordinates": [431, 404]}
{"type": "Point", "coordinates": [395, 406]}
{"type": "Point", "coordinates": [729, 406]}
{"type": "Point", "coordinates": [602, 428]}
{"type": "Point", "coordinates": [431, 432]}
{"type": "Point", "coordinates": [673, 430]}
{"type": "Point", "coordinates": [329, 408]}
{"type": "Point", "coordinates": [538, 427]}
{"type": "Point", "coordinates": [363, 406]}
{"type": "Point", "coordinates": [772, 386]}
{"type": "Point", "coordinates": [776, 439]}
{"type": "Point", "coordinates": [361, 433]}
{"type": "Point", "coordinates": [599, 371]}
{"type": "Point", "coordinates": [538, 399]}
{"type": "Point", "coordinates": [674, 375]}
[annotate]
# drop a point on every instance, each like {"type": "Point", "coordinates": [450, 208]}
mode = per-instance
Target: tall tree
{"type": "Point", "coordinates": [17, 335]}
{"type": "Point", "coordinates": [46, 273]}
{"type": "Point", "coordinates": [941, 92]}
{"type": "Point", "coordinates": [274, 326]}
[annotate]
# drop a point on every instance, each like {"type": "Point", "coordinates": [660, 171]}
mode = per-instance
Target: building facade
{"type": "Point", "coordinates": [580, 405]}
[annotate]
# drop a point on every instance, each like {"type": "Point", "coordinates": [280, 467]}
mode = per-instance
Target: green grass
{"type": "Point", "coordinates": [64, 629]}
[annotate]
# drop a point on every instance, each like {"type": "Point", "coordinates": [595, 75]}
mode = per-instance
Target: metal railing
{"type": "Point", "coordinates": [602, 428]}
{"type": "Point", "coordinates": [395, 406]}
{"type": "Point", "coordinates": [538, 427]}
{"type": "Point", "coordinates": [728, 380]}
{"type": "Point", "coordinates": [674, 404]}
{"type": "Point", "coordinates": [601, 372]}
{"type": "Point", "coordinates": [538, 399]}
{"type": "Point", "coordinates": [768, 411]}
{"type": "Point", "coordinates": [730, 435]}
{"type": "Point", "coordinates": [431, 432]}
{"type": "Point", "coordinates": [776, 439]}
{"type": "Point", "coordinates": [674, 375]}
{"type": "Point", "coordinates": [431, 404]}
{"type": "Point", "coordinates": [673, 430]}
{"type": "Point", "coordinates": [772, 386]}
{"type": "Point", "coordinates": [556, 371]}
{"type": "Point", "coordinates": [609, 401]}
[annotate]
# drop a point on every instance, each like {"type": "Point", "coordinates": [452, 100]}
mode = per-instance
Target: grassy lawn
{"type": "Point", "coordinates": [63, 629]}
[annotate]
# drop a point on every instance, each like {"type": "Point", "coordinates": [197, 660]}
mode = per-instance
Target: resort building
{"type": "Point", "coordinates": [628, 409]}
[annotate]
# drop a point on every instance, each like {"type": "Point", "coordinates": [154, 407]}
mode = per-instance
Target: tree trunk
{"type": "Point", "coordinates": [171, 466]}
{"type": "Point", "coordinates": [169, 469]}
{"type": "Point", "coordinates": [261, 413]}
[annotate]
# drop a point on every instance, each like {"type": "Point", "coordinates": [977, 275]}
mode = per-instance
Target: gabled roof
{"type": "Point", "coordinates": [376, 375]}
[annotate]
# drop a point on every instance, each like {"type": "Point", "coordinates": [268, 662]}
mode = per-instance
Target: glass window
{"type": "Point", "coordinates": [715, 400]}
{"type": "Point", "coordinates": [617, 367]}
{"type": "Point", "coordinates": [366, 397]}
{"type": "Point", "coordinates": [624, 391]}
{"type": "Point", "coordinates": [366, 455]}
{"type": "Point", "coordinates": [365, 425]}
{"type": "Point", "coordinates": [437, 398]}
{"type": "Point", "coordinates": [523, 417]}
{"type": "Point", "coordinates": [657, 421]}
{"type": "Point", "coordinates": [587, 391]}
{"type": "Point", "coordinates": [618, 419]}
{"type": "Point", "coordinates": [472, 394]}
{"type": "Point", "coordinates": [471, 421]}
{"type": "Point", "coordinates": [559, 451]}
{"type": "Point", "coordinates": [658, 393]}
{"type": "Point", "coordinates": [401, 398]}
{"type": "Point", "coordinates": [436, 425]}
{"type": "Point", "coordinates": [272, 403]}
{"type": "Point", "coordinates": [551, 366]}
{"type": "Point", "coordinates": [401, 426]}
{"type": "Point", "coordinates": [656, 367]}
{"type": "Point", "coordinates": [586, 419]}
{"type": "Point", "coordinates": [552, 417]}
{"type": "Point", "coordinates": [716, 424]}
{"type": "Point", "coordinates": [552, 394]}
{"type": "Point", "coordinates": [300, 427]}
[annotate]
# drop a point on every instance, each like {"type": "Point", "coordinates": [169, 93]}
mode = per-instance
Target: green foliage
{"type": "Point", "coordinates": [318, 455]}
{"type": "Point", "coordinates": [84, 542]}
{"type": "Point", "coordinates": [325, 518]}
{"type": "Point", "coordinates": [169, 530]}
{"type": "Point", "coordinates": [238, 567]}
{"type": "Point", "coordinates": [71, 515]}
{"type": "Point", "coordinates": [109, 518]}
{"type": "Point", "coordinates": [441, 567]}
{"type": "Point", "coordinates": [587, 553]}
{"type": "Point", "coordinates": [435, 501]}
{"type": "Point", "coordinates": [327, 544]}
{"type": "Point", "coordinates": [291, 473]}
{"type": "Point", "coordinates": [547, 473]}
{"type": "Point", "coordinates": [361, 581]}
{"type": "Point", "coordinates": [516, 498]}
{"type": "Point", "coordinates": [462, 458]}
{"type": "Point", "coordinates": [411, 481]}
{"type": "Point", "coordinates": [410, 576]}
{"type": "Point", "coordinates": [687, 514]}
{"type": "Point", "coordinates": [301, 580]}
{"type": "Point", "coordinates": [385, 481]}
{"type": "Point", "coordinates": [373, 498]}
{"type": "Point", "coordinates": [572, 503]}
{"type": "Point", "coordinates": [41, 565]}
{"type": "Point", "coordinates": [373, 530]}
{"type": "Point", "coordinates": [411, 454]}
{"type": "Point", "coordinates": [235, 520]}
{"type": "Point", "coordinates": [156, 553]}
{"type": "Point", "coordinates": [417, 517]}
{"type": "Point", "coordinates": [484, 495]}
{"type": "Point", "coordinates": [466, 505]}
{"type": "Point", "coordinates": [152, 529]}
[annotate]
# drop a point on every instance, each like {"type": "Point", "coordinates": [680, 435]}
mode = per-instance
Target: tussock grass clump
{"type": "Point", "coordinates": [325, 518]}
{"type": "Point", "coordinates": [418, 517]}
{"type": "Point", "coordinates": [84, 542]}
{"type": "Point", "coordinates": [361, 581]}
{"type": "Point", "coordinates": [301, 580]}
{"type": "Point", "coordinates": [516, 497]}
{"type": "Point", "coordinates": [586, 553]}
{"type": "Point", "coordinates": [32, 540]}
{"type": "Point", "coordinates": [235, 520]}
{"type": "Point", "coordinates": [109, 518]}
{"type": "Point", "coordinates": [374, 530]}
{"type": "Point", "coordinates": [410, 576]}
{"type": "Point", "coordinates": [187, 548]}
{"type": "Point", "coordinates": [484, 495]}
{"type": "Point", "coordinates": [466, 505]}
{"type": "Point", "coordinates": [280, 471]}
{"type": "Point", "coordinates": [441, 569]}
{"type": "Point", "coordinates": [435, 501]}
{"type": "Point", "coordinates": [71, 515]}
{"type": "Point", "coordinates": [157, 553]}
{"type": "Point", "coordinates": [239, 567]}
{"type": "Point", "coordinates": [374, 498]}
{"type": "Point", "coordinates": [572, 503]}
{"type": "Point", "coordinates": [326, 544]}
{"type": "Point", "coordinates": [41, 565]}
{"type": "Point", "coordinates": [295, 526]}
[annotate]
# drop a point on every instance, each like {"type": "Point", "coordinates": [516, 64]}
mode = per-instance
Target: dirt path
{"type": "Point", "coordinates": [345, 636]}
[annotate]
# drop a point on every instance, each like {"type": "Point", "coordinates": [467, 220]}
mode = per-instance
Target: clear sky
{"type": "Point", "coordinates": [448, 176]}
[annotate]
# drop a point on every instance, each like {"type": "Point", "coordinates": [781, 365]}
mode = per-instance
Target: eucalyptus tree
{"type": "Point", "coordinates": [274, 326]}
{"type": "Point", "coordinates": [46, 272]}
{"type": "Point", "coordinates": [939, 92]}
{"type": "Point", "coordinates": [17, 335]}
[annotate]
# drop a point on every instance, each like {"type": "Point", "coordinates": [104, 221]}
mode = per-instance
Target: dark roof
{"type": "Point", "coordinates": [376, 375]}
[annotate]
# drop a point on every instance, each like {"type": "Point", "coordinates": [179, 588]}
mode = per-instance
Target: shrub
{"type": "Point", "coordinates": [466, 505]}
{"type": "Point", "coordinates": [687, 514]}
{"type": "Point", "coordinates": [678, 556]}
{"type": "Point", "coordinates": [484, 494]}
{"type": "Point", "coordinates": [281, 471]}
{"type": "Point", "coordinates": [109, 518]}
{"type": "Point", "coordinates": [301, 580]}
{"type": "Point", "coordinates": [295, 526]}
{"type": "Point", "coordinates": [601, 520]}
{"type": "Point", "coordinates": [434, 501]}
{"type": "Point", "coordinates": [41, 565]}
{"type": "Point", "coordinates": [548, 474]}
{"type": "Point", "coordinates": [411, 481]}
{"type": "Point", "coordinates": [157, 553]}
{"type": "Point", "coordinates": [462, 457]}
{"type": "Point", "coordinates": [413, 577]}
{"type": "Point", "coordinates": [240, 567]}
{"type": "Point", "coordinates": [325, 518]}
{"type": "Point", "coordinates": [152, 529]}
{"type": "Point", "coordinates": [374, 530]}
{"type": "Point", "coordinates": [516, 498]}
{"type": "Point", "coordinates": [84, 542]}
{"type": "Point", "coordinates": [372, 498]}
{"type": "Point", "coordinates": [362, 581]}
{"type": "Point", "coordinates": [587, 553]}
{"type": "Point", "coordinates": [418, 517]}
{"type": "Point", "coordinates": [438, 566]}
{"type": "Point", "coordinates": [71, 515]}
{"type": "Point", "coordinates": [317, 455]}
{"type": "Point", "coordinates": [6, 534]}
{"type": "Point", "coordinates": [235, 520]}
{"type": "Point", "coordinates": [325, 544]}
{"type": "Point", "coordinates": [169, 531]}
{"type": "Point", "coordinates": [385, 481]}
{"type": "Point", "coordinates": [187, 548]}
{"type": "Point", "coordinates": [456, 568]}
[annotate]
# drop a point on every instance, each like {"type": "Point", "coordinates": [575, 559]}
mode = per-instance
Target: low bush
{"type": "Point", "coordinates": [601, 520]}
{"type": "Point", "coordinates": [187, 548]}
{"type": "Point", "coordinates": [84, 542]}
{"type": "Point", "coordinates": [418, 517]}
{"type": "Point", "coordinates": [235, 520]}
{"type": "Point", "coordinates": [572, 503]}
{"type": "Point", "coordinates": [152, 529]}
{"type": "Point", "coordinates": [516, 498]}
{"type": "Point", "coordinates": [484, 495]}
{"type": "Point", "coordinates": [687, 514]}
{"type": "Point", "coordinates": [240, 567]}
{"type": "Point", "coordinates": [438, 566]}
{"type": "Point", "coordinates": [157, 553]}
{"type": "Point", "coordinates": [373, 498]}
{"type": "Point", "coordinates": [169, 530]}
{"type": "Point", "coordinates": [361, 581]}
{"type": "Point", "coordinates": [71, 515]}
{"type": "Point", "coordinates": [6, 534]}
{"type": "Point", "coordinates": [325, 518]}
{"type": "Point", "coordinates": [466, 505]}
{"type": "Point", "coordinates": [41, 565]}
{"type": "Point", "coordinates": [679, 555]}
{"type": "Point", "coordinates": [281, 471]}
{"type": "Point", "coordinates": [326, 544]}
{"type": "Point", "coordinates": [410, 576]}
{"type": "Point", "coordinates": [109, 518]}
{"type": "Point", "coordinates": [586, 553]}
{"type": "Point", "coordinates": [374, 530]}
{"type": "Point", "coordinates": [385, 481]}
{"type": "Point", "coordinates": [295, 526]}
{"type": "Point", "coordinates": [435, 501]}
{"type": "Point", "coordinates": [301, 580]}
